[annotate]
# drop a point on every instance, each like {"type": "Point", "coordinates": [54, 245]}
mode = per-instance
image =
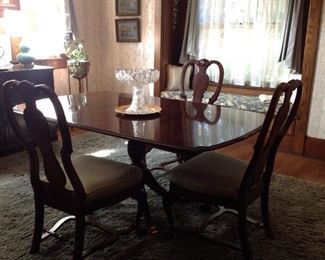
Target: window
{"type": "Point", "coordinates": [41, 24]}
{"type": "Point", "coordinates": [246, 37]}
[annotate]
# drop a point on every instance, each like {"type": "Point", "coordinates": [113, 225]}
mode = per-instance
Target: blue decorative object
{"type": "Point", "coordinates": [24, 57]}
{"type": "Point", "coordinates": [24, 48]}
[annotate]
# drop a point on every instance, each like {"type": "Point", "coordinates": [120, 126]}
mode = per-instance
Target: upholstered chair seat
{"type": "Point", "coordinates": [102, 177]}
{"type": "Point", "coordinates": [221, 175]}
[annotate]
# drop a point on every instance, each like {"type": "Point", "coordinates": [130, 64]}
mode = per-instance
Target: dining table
{"type": "Point", "coordinates": [182, 127]}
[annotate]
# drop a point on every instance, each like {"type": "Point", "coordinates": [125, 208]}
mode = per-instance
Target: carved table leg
{"type": "Point", "coordinates": [137, 152]}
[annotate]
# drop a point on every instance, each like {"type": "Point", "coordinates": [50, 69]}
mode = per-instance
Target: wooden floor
{"type": "Point", "coordinates": [287, 164]}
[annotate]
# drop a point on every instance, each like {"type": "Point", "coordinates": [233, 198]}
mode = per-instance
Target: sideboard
{"type": "Point", "coordinates": [38, 75]}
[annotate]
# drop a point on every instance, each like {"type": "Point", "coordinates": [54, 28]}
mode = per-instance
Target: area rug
{"type": "Point", "coordinates": [297, 215]}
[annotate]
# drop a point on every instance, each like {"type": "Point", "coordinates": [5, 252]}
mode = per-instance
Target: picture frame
{"type": "Point", "coordinates": [127, 30]}
{"type": "Point", "coordinates": [127, 7]}
{"type": "Point", "coordinates": [9, 4]}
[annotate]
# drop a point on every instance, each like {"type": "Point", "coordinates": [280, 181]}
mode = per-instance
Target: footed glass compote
{"type": "Point", "coordinates": [137, 78]}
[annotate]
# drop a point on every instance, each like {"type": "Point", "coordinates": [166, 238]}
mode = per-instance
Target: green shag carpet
{"type": "Point", "coordinates": [297, 214]}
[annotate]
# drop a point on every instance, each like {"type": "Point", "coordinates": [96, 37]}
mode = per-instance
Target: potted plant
{"type": "Point", "coordinates": [78, 63]}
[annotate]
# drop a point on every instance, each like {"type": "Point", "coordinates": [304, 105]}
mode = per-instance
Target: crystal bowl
{"type": "Point", "coordinates": [137, 76]}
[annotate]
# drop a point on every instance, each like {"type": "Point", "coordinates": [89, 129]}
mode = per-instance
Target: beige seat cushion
{"type": "Point", "coordinates": [210, 173]}
{"type": "Point", "coordinates": [102, 177]}
{"type": "Point", "coordinates": [174, 77]}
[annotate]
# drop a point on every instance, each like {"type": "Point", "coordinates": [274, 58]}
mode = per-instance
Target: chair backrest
{"type": "Point", "coordinates": [277, 121]}
{"type": "Point", "coordinates": [37, 126]}
{"type": "Point", "coordinates": [201, 81]}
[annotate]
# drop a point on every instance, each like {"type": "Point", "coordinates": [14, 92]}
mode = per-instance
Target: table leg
{"type": "Point", "coordinates": [137, 152]}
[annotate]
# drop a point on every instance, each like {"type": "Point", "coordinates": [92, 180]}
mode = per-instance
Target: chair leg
{"type": "Point", "coordinates": [79, 237]}
{"type": "Point", "coordinates": [243, 233]}
{"type": "Point", "coordinates": [38, 226]}
{"type": "Point", "coordinates": [138, 217]}
{"type": "Point", "coordinates": [167, 203]}
{"type": "Point", "coordinates": [265, 211]}
{"type": "Point", "coordinates": [143, 209]}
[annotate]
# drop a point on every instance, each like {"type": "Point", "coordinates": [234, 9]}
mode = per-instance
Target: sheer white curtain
{"type": "Point", "coordinates": [246, 36]}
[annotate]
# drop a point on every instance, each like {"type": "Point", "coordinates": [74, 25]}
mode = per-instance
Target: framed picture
{"type": "Point", "coordinates": [9, 4]}
{"type": "Point", "coordinates": [127, 30]}
{"type": "Point", "coordinates": [127, 7]}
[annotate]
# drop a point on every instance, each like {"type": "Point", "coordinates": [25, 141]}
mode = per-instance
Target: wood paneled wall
{"type": "Point", "coordinates": [296, 143]}
{"type": "Point", "coordinates": [169, 27]}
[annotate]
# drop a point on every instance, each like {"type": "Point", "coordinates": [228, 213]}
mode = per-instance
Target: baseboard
{"type": "Point", "coordinates": [314, 148]}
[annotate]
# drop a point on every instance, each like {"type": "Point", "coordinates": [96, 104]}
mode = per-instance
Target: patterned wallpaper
{"type": "Point", "coordinates": [316, 127]}
{"type": "Point", "coordinates": [96, 24]}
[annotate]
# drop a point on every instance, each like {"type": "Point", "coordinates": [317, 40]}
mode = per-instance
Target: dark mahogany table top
{"type": "Point", "coordinates": [180, 126]}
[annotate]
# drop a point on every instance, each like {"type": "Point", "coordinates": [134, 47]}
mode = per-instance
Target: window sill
{"type": "Point", "coordinates": [56, 63]}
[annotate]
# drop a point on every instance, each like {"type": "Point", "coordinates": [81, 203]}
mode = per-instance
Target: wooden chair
{"type": "Point", "coordinates": [218, 179]}
{"type": "Point", "coordinates": [80, 185]}
{"type": "Point", "coordinates": [201, 81]}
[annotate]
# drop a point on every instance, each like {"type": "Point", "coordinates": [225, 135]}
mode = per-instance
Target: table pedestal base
{"type": "Point", "coordinates": [137, 152]}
